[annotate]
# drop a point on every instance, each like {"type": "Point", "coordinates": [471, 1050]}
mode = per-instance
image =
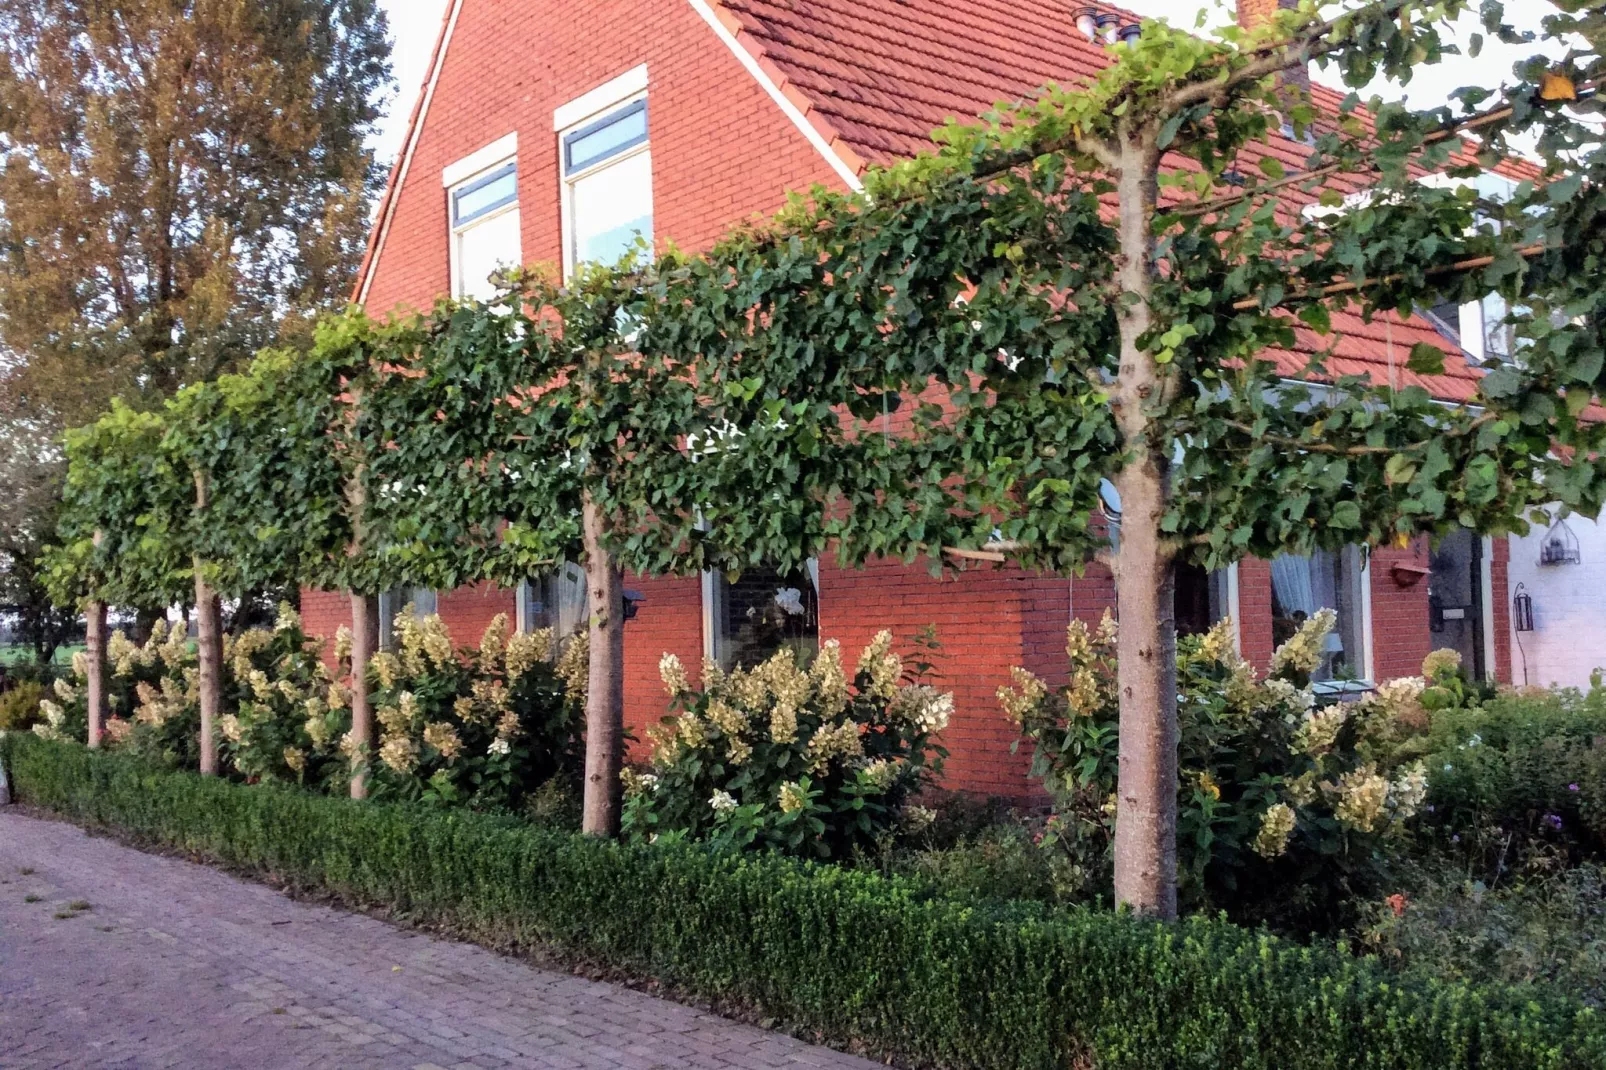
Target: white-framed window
{"type": "Point", "coordinates": [605, 158]}
{"type": "Point", "coordinates": [482, 199]}
{"type": "Point", "coordinates": [559, 600]}
{"type": "Point", "coordinates": [763, 611]}
{"type": "Point", "coordinates": [1324, 579]}
{"type": "Point", "coordinates": [425, 603]}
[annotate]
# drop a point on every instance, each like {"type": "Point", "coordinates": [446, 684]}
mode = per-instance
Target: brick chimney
{"type": "Point", "coordinates": [1253, 13]}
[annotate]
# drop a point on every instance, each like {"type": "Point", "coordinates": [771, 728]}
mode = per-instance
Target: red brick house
{"type": "Point", "coordinates": [554, 131]}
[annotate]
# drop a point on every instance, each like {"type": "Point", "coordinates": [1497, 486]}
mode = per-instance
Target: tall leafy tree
{"type": "Point", "coordinates": [1093, 287]}
{"type": "Point", "coordinates": [183, 181]}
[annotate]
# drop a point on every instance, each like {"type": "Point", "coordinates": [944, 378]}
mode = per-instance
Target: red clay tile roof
{"type": "Point", "coordinates": [879, 75]}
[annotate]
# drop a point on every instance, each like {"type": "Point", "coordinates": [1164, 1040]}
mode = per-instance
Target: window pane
{"type": "Point", "coordinates": [613, 135]}
{"type": "Point", "coordinates": [1301, 586]}
{"type": "Point", "coordinates": [485, 248]}
{"type": "Point", "coordinates": [558, 601]}
{"type": "Point", "coordinates": [485, 195]}
{"type": "Point", "coordinates": [763, 612]}
{"type": "Point", "coordinates": [425, 603]}
{"type": "Point", "coordinates": [612, 207]}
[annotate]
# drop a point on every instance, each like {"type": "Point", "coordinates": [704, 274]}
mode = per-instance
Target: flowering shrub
{"type": "Point", "coordinates": [802, 760]}
{"type": "Point", "coordinates": [289, 712]}
{"type": "Point", "coordinates": [481, 728]}
{"type": "Point", "coordinates": [1281, 800]}
{"type": "Point", "coordinates": [152, 698]}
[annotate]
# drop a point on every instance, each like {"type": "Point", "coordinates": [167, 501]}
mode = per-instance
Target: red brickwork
{"type": "Point", "coordinates": [1400, 635]}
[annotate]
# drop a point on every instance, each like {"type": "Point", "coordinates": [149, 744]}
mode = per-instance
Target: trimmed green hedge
{"type": "Point", "coordinates": [846, 952]}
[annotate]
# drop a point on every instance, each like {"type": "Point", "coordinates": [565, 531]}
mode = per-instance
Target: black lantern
{"type": "Point", "coordinates": [1560, 546]}
{"type": "Point", "coordinates": [1522, 609]}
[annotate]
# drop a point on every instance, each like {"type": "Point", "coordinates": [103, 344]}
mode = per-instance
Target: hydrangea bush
{"type": "Point", "coordinates": [1285, 804]}
{"type": "Point", "coordinates": [290, 713]}
{"type": "Point", "coordinates": [804, 760]}
{"type": "Point", "coordinates": [153, 700]}
{"type": "Point", "coordinates": [481, 728]}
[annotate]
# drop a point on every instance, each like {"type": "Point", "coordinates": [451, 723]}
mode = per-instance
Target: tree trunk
{"type": "Point", "coordinates": [1146, 796]}
{"type": "Point", "coordinates": [209, 642]}
{"type": "Point", "coordinates": [605, 690]}
{"type": "Point", "coordinates": [364, 644]}
{"type": "Point", "coordinates": [95, 652]}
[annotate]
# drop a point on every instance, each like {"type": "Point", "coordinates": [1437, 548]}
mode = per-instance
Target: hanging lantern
{"type": "Point", "coordinates": [1560, 546]}
{"type": "Point", "coordinates": [1522, 609]}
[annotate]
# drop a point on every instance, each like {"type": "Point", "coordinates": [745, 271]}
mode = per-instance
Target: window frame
{"type": "Point", "coordinates": [601, 109]}
{"type": "Point", "coordinates": [711, 610]}
{"type": "Point", "coordinates": [475, 171]}
{"type": "Point", "coordinates": [1358, 557]}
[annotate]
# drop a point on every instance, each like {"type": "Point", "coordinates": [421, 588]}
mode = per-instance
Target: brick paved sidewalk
{"type": "Point", "coordinates": [177, 965]}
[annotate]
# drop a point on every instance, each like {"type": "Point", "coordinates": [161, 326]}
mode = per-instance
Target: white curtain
{"type": "Point", "coordinates": [569, 599]}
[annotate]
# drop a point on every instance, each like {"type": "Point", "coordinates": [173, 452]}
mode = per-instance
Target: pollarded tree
{"type": "Point", "coordinates": [1089, 287]}
{"type": "Point", "coordinates": [537, 429]}
{"type": "Point", "coordinates": [121, 531]}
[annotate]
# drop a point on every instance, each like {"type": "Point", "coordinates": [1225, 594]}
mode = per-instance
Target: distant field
{"type": "Point", "coordinates": [11, 655]}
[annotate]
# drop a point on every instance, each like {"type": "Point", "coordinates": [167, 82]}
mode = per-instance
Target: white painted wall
{"type": "Point", "coordinates": [1569, 637]}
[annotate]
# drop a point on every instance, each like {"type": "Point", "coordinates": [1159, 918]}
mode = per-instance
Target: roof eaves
{"type": "Point", "coordinates": [398, 171]}
{"type": "Point", "coordinates": [792, 100]}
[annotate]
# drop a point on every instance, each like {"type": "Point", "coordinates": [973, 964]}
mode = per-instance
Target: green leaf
{"type": "Point", "coordinates": [1346, 515]}
{"type": "Point", "coordinates": [1426, 359]}
{"type": "Point", "coordinates": [1272, 167]}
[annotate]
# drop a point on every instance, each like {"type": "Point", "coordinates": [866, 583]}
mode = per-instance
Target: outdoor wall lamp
{"type": "Point", "coordinates": [633, 601]}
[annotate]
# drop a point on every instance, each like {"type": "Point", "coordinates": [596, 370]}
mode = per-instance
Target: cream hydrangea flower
{"type": "Point", "coordinates": [444, 738]}
{"type": "Point", "coordinates": [574, 666]}
{"type": "Point", "coordinates": [386, 669]}
{"type": "Point", "coordinates": [727, 718]}
{"type": "Point", "coordinates": [493, 643]}
{"type": "Point", "coordinates": [231, 727]}
{"type": "Point", "coordinates": [1362, 796]}
{"type": "Point", "coordinates": [525, 650]}
{"type": "Point", "coordinates": [342, 643]}
{"type": "Point", "coordinates": [80, 664]}
{"type": "Point", "coordinates": [64, 691]}
{"type": "Point", "coordinates": [792, 797]}
{"type": "Point", "coordinates": [1276, 827]}
{"type": "Point", "coordinates": [914, 819]}
{"type": "Point", "coordinates": [1319, 731]}
{"type": "Point", "coordinates": [881, 773]}
{"type": "Point", "coordinates": [830, 680]}
{"type": "Point", "coordinates": [1023, 696]}
{"type": "Point", "coordinates": [636, 783]}
{"type": "Point", "coordinates": [722, 803]}
{"type": "Point", "coordinates": [288, 620]}
{"type": "Point", "coordinates": [1220, 643]}
{"type": "Point", "coordinates": [1441, 663]}
{"type": "Point", "coordinates": [507, 726]}
{"type": "Point", "coordinates": [1409, 791]}
{"type": "Point", "coordinates": [499, 747]}
{"type": "Point", "coordinates": [834, 741]}
{"type": "Point", "coordinates": [881, 665]}
{"type": "Point", "coordinates": [118, 731]}
{"type": "Point", "coordinates": [673, 674]}
{"type": "Point", "coordinates": [1304, 650]}
{"type": "Point", "coordinates": [296, 759]}
{"type": "Point", "coordinates": [399, 753]}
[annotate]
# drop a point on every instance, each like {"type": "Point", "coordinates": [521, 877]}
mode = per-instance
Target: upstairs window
{"type": "Point", "coordinates": [607, 184]}
{"type": "Point", "coordinates": [483, 202]}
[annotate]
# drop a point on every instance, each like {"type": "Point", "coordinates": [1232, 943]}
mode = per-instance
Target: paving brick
{"type": "Point", "coordinates": [202, 970]}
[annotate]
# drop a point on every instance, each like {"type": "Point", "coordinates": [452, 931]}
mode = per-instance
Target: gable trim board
{"type": "Point", "coordinates": [846, 170]}
{"type": "Point", "coordinates": [398, 174]}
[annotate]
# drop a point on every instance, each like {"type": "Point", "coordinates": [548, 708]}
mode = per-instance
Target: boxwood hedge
{"type": "Point", "coordinates": [851, 954]}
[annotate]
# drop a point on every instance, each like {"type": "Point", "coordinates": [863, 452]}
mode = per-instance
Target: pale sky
{"type": "Point", "coordinates": [414, 24]}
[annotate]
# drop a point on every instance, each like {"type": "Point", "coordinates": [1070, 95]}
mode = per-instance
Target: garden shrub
{"type": "Point", "coordinates": [289, 713]}
{"type": "Point", "coordinates": [480, 728]}
{"type": "Point", "coordinates": [798, 759]}
{"type": "Point", "coordinates": [153, 698]}
{"type": "Point", "coordinates": [19, 707]}
{"type": "Point", "coordinates": [841, 952]}
{"type": "Point", "coordinates": [1284, 804]}
{"type": "Point", "coordinates": [1535, 927]}
{"type": "Point", "coordinates": [1525, 770]}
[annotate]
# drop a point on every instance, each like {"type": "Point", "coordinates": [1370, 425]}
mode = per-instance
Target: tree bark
{"type": "Point", "coordinates": [605, 690]}
{"type": "Point", "coordinates": [364, 644]}
{"type": "Point", "coordinates": [1146, 797]}
{"type": "Point", "coordinates": [95, 653]}
{"type": "Point", "coordinates": [209, 641]}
